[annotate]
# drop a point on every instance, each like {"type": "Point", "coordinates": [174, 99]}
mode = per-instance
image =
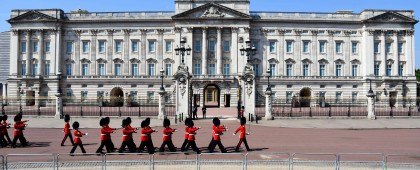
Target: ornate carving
{"type": "Point", "coordinates": [118, 60]}
{"type": "Point", "coordinates": [330, 32]}
{"type": "Point", "coordinates": [143, 31]}
{"type": "Point", "coordinates": [169, 60]}
{"type": "Point", "coordinates": [290, 60]}
{"type": "Point", "coordinates": [78, 32]}
{"type": "Point", "coordinates": [94, 32]}
{"type": "Point", "coordinates": [134, 60]}
{"type": "Point", "coordinates": [110, 31]}
{"type": "Point", "coordinates": [85, 60]}
{"type": "Point", "coordinates": [314, 32]}
{"type": "Point", "coordinates": [410, 32]}
{"type": "Point", "coordinates": [15, 32]}
{"type": "Point", "coordinates": [323, 61]}
{"type": "Point", "coordinates": [298, 32]}
{"type": "Point", "coordinates": [246, 29]}
{"type": "Point", "coordinates": [160, 31]}
{"type": "Point", "coordinates": [235, 29]}
{"type": "Point", "coordinates": [347, 32]}
{"type": "Point", "coordinates": [189, 29]}
{"type": "Point", "coordinates": [69, 61]}
{"type": "Point", "coordinates": [371, 32]}
{"type": "Point", "coordinates": [101, 60]}
{"type": "Point", "coordinates": [182, 86]}
{"type": "Point", "coordinates": [127, 31]}
{"type": "Point", "coordinates": [151, 60]}
{"type": "Point", "coordinates": [264, 31]}
{"type": "Point", "coordinates": [212, 12]}
{"type": "Point", "coordinates": [339, 61]}
{"type": "Point", "coordinates": [389, 61]}
{"type": "Point", "coordinates": [281, 31]}
{"type": "Point", "coordinates": [177, 29]}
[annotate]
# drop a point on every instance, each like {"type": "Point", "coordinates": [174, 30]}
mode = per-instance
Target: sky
{"type": "Point", "coordinates": [256, 5]}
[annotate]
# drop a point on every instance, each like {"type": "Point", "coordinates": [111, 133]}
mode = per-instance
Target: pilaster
{"type": "Point", "coordinates": [77, 66]}
{"type": "Point", "coordinates": [41, 61]}
{"type": "Point", "coordinates": [93, 41]}
{"type": "Point", "coordinates": [14, 53]}
{"type": "Point", "coordinates": [204, 52]}
{"type": "Point", "coordinates": [234, 52]}
{"type": "Point", "coordinates": [143, 52]}
{"type": "Point", "coordinates": [395, 53]}
{"type": "Point", "coordinates": [383, 55]}
{"type": "Point", "coordinates": [28, 52]}
{"type": "Point", "coordinates": [410, 51]}
{"type": "Point", "coordinates": [219, 52]}
{"type": "Point", "coordinates": [159, 50]}
{"type": "Point", "coordinates": [109, 51]}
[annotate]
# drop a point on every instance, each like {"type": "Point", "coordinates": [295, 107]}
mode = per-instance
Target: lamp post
{"type": "Point", "coordinates": [181, 50]}
{"type": "Point", "coordinates": [268, 77]}
{"type": "Point", "coordinates": [249, 50]}
{"type": "Point", "coordinates": [162, 97]}
{"type": "Point", "coordinates": [268, 102]}
{"type": "Point", "coordinates": [248, 77]}
{"type": "Point", "coordinates": [162, 72]}
{"type": "Point", "coordinates": [59, 100]}
{"type": "Point", "coordinates": [370, 95]}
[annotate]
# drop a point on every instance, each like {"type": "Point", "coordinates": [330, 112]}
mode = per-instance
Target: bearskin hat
{"type": "Point", "coordinates": [216, 121]}
{"type": "Point", "coordinates": [4, 117]}
{"type": "Point", "coordinates": [124, 123]}
{"type": "Point", "coordinates": [243, 121]}
{"type": "Point", "coordinates": [76, 125]}
{"type": "Point", "coordinates": [166, 122]}
{"type": "Point", "coordinates": [187, 120]}
{"type": "Point", "coordinates": [190, 123]}
{"type": "Point", "coordinates": [143, 124]}
{"type": "Point", "coordinates": [18, 117]}
{"type": "Point", "coordinates": [128, 120]}
{"type": "Point", "coordinates": [107, 120]}
{"type": "Point", "coordinates": [66, 118]}
{"type": "Point", "coordinates": [147, 121]}
{"type": "Point", "coordinates": [102, 122]}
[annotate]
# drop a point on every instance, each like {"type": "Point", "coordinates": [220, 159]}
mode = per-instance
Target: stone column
{"type": "Point", "coordinates": [204, 51]}
{"type": "Point", "coordinates": [143, 52]}
{"type": "Point", "coordinates": [371, 108]}
{"type": "Point", "coordinates": [219, 52]}
{"type": "Point", "coordinates": [109, 52]}
{"type": "Point", "coordinates": [126, 52]}
{"type": "Point", "coordinates": [395, 54]}
{"type": "Point", "coordinates": [58, 106]}
{"type": "Point", "coordinates": [159, 50]}
{"type": "Point", "coordinates": [162, 113]}
{"type": "Point", "coordinates": [57, 47]}
{"type": "Point", "coordinates": [268, 110]}
{"type": "Point", "coordinates": [41, 60]}
{"type": "Point", "coordinates": [4, 93]}
{"type": "Point", "coordinates": [15, 53]}
{"type": "Point", "coordinates": [234, 51]}
{"type": "Point", "coordinates": [382, 68]}
{"type": "Point", "coordinates": [92, 68]}
{"type": "Point", "coordinates": [410, 52]}
{"type": "Point", "coordinates": [28, 52]}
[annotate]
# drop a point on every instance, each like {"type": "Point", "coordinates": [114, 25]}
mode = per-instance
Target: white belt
{"type": "Point", "coordinates": [144, 135]}
{"type": "Point", "coordinates": [216, 134]}
{"type": "Point", "coordinates": [166, 135]}
{"type": "Point", "coordinates": [17, 130]}
{"type": "Point", "coordinates": [76, 137]}
{"type": "Point", "coordinates": [103, 134]}
{"type": "Point", "coordinates": [191, 134]}
{"type": "Point", "coordinates": [125, 135]}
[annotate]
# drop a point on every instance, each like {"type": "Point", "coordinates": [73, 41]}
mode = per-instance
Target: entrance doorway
{"type": "Point", "coordinates": [227, 100]}
{"type": "Point", "coordinates": [392, 98]}
{"type": "Point", "coordinates": [305, 97]}
{"type": "Point", "coordinates": [117, 97]}
{"type": "Point", "coordinates": [197, 100]}
{"type": "Point", "coordinates": [30, 98]}
{"type": "Point", "coordinates": [211, 96]}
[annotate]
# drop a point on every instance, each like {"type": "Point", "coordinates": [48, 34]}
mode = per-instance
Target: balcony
{"type": "Point", "coordinates": [315, 77]}
{"type": "Point", "coordinates": [116, 77]}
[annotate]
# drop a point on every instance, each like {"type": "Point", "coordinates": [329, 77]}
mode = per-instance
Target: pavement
{"type": "Point", "coordinates": [325, 123]}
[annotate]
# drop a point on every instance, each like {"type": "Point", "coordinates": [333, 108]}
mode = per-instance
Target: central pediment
{"type": "Point", "coordinates": [33, 16]}
{"type": "Point", "coordinates": [212, 11]}
{"type": "Point", "coordinates": [391, 16]}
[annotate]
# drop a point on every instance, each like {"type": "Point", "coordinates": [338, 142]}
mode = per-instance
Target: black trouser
{"type": "Point", "coordinates": [170, 146]}
{"type": "Point", "coordinates": [147, 144]}
{"type": "Point", "coordinates": [107, 144]}
{"type": "Point", "coordinates": [75, 146]}
{"type": "Point", "coordinates": [240, 142]}
{"type": "Point", "coordinates": [193, 146]}
{"type": "Point", "coordinates": [6, 136]}
{"type": "Point", "coordinates": [65, 138]}
{"type": "Point", "coordinates": [111, 144]}
{"type": "Point", "coordinates": [219, 143]}
{"type": "Point", "coordinates": [211, 143]}
{"type": "Point", "coordinates": [3, 141]}
{"type": "Point", "coordinates": [130, 144]}
{"type": "Point", "coordinates": [184, 146]}
{"type": "Point", "coordinates": [22, 140]}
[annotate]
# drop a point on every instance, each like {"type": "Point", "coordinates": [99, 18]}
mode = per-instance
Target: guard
{"type": "Point", "coordinates": [3, 142]}
{"type": "Point", "coordinates": [77, 140]}
{"type": "Point", "coordinates": [18, 132]}
{"type": "Point", "coordinates": [128, 136]}
{"type": "Point", "coordinates": [242, 136]}
{"type": "Point", "coordinates": [217, 132]}
{"type": "Point", "coordinates": [185, 144]}
{"type": "Point", "coordinates": [67, 130]}
{"type": "Point", "coordinates": [5, 132]}
{"type": "Point", "coordinates": [145, 138]}
{"type": "Point", "coordinates": [167, 136]}
{"type": "Point", "coordinates": [105, 137]}
{"type": "Point", "coordinates": [191, 137]}
{"type": "Point", "coordinates": [107, 121]}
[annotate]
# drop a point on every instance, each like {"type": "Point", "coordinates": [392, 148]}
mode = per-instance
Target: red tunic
{"type": "Point", "coordinates": [19, 127]}
{"type": "Point", "coordinates": [191, 133]}
{"type": "Point", "coordinates": [67, 128]}
{"type": "Point", "coordinates": [217, 131]}
{"type": "Point", "coordinates": [2, 127]}
{"type": "Point", "coordinates": [145, 133]}
{"type": "Point", "coordinates": [6, 126]}
{"type": "Point", "coordinates": [186, 132]}
{"type": "Point", "coordinates": [127, 133]}
{"type": "Point", "coordinates": [167, 133]}
{"type": "Point", "coordinates": [77, 136]}
{"type": "Point", "coordinates": [242, 130]}
{"type": "Point", "coordinates": [106, 133]}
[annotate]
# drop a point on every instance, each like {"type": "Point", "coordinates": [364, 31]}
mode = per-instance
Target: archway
{"type": "Point", "coordinates": [305, 97]}
{"type": "Point", "coordinates": [117, 97]}
{"type": "Point", "coordinates": [211, 96]}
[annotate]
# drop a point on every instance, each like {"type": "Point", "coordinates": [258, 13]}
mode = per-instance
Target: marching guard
{"type": "Point", "coordinates": [167, 136]}
{"type": "Point", "coordinates": [191, 137]}
{"type": "Point", "coordinates": [3, 142]}
{"type": "Point", "coordinates": [77, 135]}
{"type": "Point", "coordinates": [217, 132]}
{"type": "Point", "coordinates": [242, 136]}
{"type": "Point", "coordinates": [185, 144]}
{"type": "Point", "coordinates": [146, 141]}
{"type": "Point", "coordinates": [5, 132]}
{"type": "Point", "coordinates": [128, 136]}
{"type": "Point", "coordinates": [67, 130]}
{"type": "Point", "coordinates": [109, 128]}
{"type": "Point", "coordinates": [105, 136]}
{"type": "Point", "coordinates": [18, 132]}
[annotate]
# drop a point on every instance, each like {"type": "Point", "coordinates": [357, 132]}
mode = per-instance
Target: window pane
{"type": "Point", "coordinates": [211, 46]}
{"type": "Point", "coordinates": [197, 69]}
{"type": "Point", "coordinates": [289, 46]}
{"type": "Point", "coordinates": [168, 46]}
{"type": "Point", "coordinates": [305, 70]}
{"type": "Point", "coordinates": [47, 70]}
{"type": "Point", "coordinates": [68, 69]}
{"type": "Point", "coordinates": [400, 48]}
{"type": "Point", "coordinates": [354, 70]}
{"type": "Point", "coordinates": [23, 46]}
{"type": "Point", "coordinates": [151, 46]}
{"type": "Point", "coordinates": [35, 46]}
{"type": "Point", "coordinates": [101, 69]}
{"type": "Point", "coordinates": [151, 69]}
{"type": "Point", "coordinates": [69, 48]}
{"type": "Point", "coordinates": [85, 47]}
{"type": "Point", "coordinates": [226, 69]}
{"type": "Point", "coordinates": [338, 47]}
{"type": "Point", "coordinates": [272, 46]}
{"type": "Point", "coordinates": [168, 69]}
{"type": "Point", "coordinates": [134, 69]}
{"type": "Point", "coordinates": [322, 47]}
{"type": "Point", "coordinates": [34, 69]}
{"type": "Point", "coordinates": [101, 46]}
{"type": "Point", "coordinates": [306, 47]}
{"type": "Point", "coordinates": [376, 70]}
{"type": "Point", "coordinates": [117, 69]}
{"type": "Point", "coordinates": [197, 46]}
{"type": "Point", "coordinates": [118, 46]}
{"type": "Point", "coordinates": [23, 69]}
{"type": "Point", "coordinates": [273, 70]}
{"type": "Point", "coordinates": [322, 70]}
{"type": "Point", "coordinates": [226, 46]}
{"type": "Point", "coordinates": [134, 46]}
{"type": "Point", "coordinates": [212, 70]}
{"type": "Point", "coordinates": [47, 46]}
{"type": "Point", "coordinates": [376, 47]}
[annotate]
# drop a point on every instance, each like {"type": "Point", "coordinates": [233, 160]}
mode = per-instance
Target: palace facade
{"type": "Point", "coordinates": [120, 54]}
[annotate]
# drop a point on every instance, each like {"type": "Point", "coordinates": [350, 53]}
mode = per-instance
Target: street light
{"type": "Point", "coordinates": [249, 50]}
{"type": "Point", "coordinates": [269, 75]}
{"type": "Point", "coordinates": [181, 50]}
{"type": "Point", "coordinates": [161, 76]}
{"type": "Point", "coordinates": [370, 92]}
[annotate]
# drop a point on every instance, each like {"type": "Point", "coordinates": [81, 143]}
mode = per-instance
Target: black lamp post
{"type": "Point", "coordinates": [249, 50]}
{"type": "Point", "coordinates": [181, 50]}
{"type": "Point", "coordinates": [162, 72]}
{"type": "Point", "coordinates": [370, 92]}
{"type": "Point", "coordinates": [269, 75]}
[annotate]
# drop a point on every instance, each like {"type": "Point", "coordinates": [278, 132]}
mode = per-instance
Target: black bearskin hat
{"type": "Point", "coordinates": [1, 117]}
{"type": "Point", "coordinates": [190, 123]}
{"type": "Point", "coordinates": [124, 122]}
{"type": "Point", "coordinates": [243, 121]}
{"type": "Point", "coordinates": [107, 120]}
{"type": "Point", "coordinates": [187, 120]}
{"type": "Point", "coordinates": [102, 122]}
{"type": "Point", "coordinates": [76, 125]}
{"type": "Point", "coordinates": [166, 122]}
{"type": "Point", "coordinates": [66, 118]}
{"type": "Point", "coordinates": [147, 121]}
{"type": "Point", "coordinates": [4, 117]}
{"type": "Point", "coordinates": [128, 120]}
{"type": "Point", "coordinates": [143, 124]}
{"type": "Point", "coordinates": [216, 121]}
{"type": "Point", "coordinates": [18, 117]}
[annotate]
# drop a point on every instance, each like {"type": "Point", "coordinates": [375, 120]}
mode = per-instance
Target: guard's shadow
{"type": "Point", "coordinates": [38, 144]}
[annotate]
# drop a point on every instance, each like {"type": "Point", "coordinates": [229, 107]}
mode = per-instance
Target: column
{"type": "Point", "coordinates": [143, 52]}
{"type": "Point", "coordinates": [204, 52]}
{"type": "Point", "coordinates": [347, 53]}
{"type": "Point", "coordinates": [4, 93]}
{"type": "Point", "coordinates": [41, 53]}
{"type": "Point", "coordinates": [93, 40]}
{"type": "Point", "coordinates": [159, 51]}
{"type": "Point", "coordinates": [57, 47]}
{"type": "Point", "coordinates": [383, 54]}
{"type": "Point", "coordinates": [235, 56]}
{"type": "Point", "coordinates": [76, 53]}
{"type": "Point", "coordinates": [219, 51]}
{"type": "Point", "coordinates": [368, 54]}
{"type": "Point", "coordinates": [14, 53]}
{"type": "Point", "coordinates": [162, 113]}
{"type": "Point", "coordinates": [28, 52]}
{"type": "Point", "coordinates": [371, 108]}
{"type": "Point", "coordinates": [109, 52]}
{"type": "Point", "coordinates": [126, 52]}
{"type": "Point", "coordinates": [297, 71]}
{"type": "Point", "coordinates": [314, 52]}
{"type": "Point", "coordinates": [268, 110]}
{"type": "Point", "coordinates": [410, 54]}
{"type": "Point", "coordinates": [330, 54]}
{"type": "Point", "coordinates": [281, 52]}
{"type": "Point", "coordinates": [395, 53]}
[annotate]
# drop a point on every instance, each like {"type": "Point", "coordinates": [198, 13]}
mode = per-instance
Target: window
{"type": "Point", "coordinates": [306, 46]}
{"type": "Point", "coordinates": [101, 47]}
{"type": "Point", "coordinates": [376, 47]}
{"type": "Point", "coordinates": [85, 69]}
{"type": "Point", "coordinates": [211, 46]}
{"type": "Point", "coordinates": [197, 46]}
{"type": "Point", "coordinates": [100, 94]}
{"type": "Point", "coordinates": [400, 48]}
{"type": "Point", "coordinates": [23, 47]}
{"type": "Point", "coordinates": [289, 46]}
{"type": "Point", "coordinates": [47, 46]}
{"type": "Point", "coordinates": [118, 69]}
{"type": "Point", "coordinates": [289, 70]}
{"type": "Point", "coordinates": [338, 71]}
{"type": "Point", "coordinates": [376, 70]}
{"type": "Point", "coordinates": [354, 70]}
{"type": "Point", "coordinates": [226, 69]}
{"type": "Point", "coordinates": [322, 47]}
{"type": "Point", "coordinates": [134, 46]}
{"type": "Point", "coordinates": [69, 69]}
{"type": "Point", "coordinates": [354, 49]}
{"type": "Point", "coordinates": [338, 86]}
{"type": "Point", "coordinates": [273, 70]}
{"type": "Point", "coordinates": [84, 95]}
{"type": "Point", "coordinates": [197, 69]}
{"type": "Point", "coordinates": [322, 70]}
{"type": "Point", "coordinates": [168, 45]}
{"type": "Point", "coordinates": [355, 86]}
{"type": "Point", "coordinates": [168, 69]}
{"type": "Point", "coordinates": [133, 95]}
{"type": "Point", "coordinates": [288, 97]}
{"type": "Point", "coordinates": [256, 69]}
{"type": "Point", "coordinates": [85, 46]}
{"type": "Point", "coordinates": [134, 69]}
{"type": "Point", "coordinates": [338, 47]}
{"type": "Point", "coordinates": [69, 47]}
{"type": "Point", "coordinates": [212, 69]}
{"type": "Point", "coordinates": [47, 70]}
{"type": "Point", "coordinates": [101, 69]}
{"type": "Point", "coordinates": [69, 94]}
{"type": "Point", "coordinates": [388, 47]}
{"type": "Point", "coordinates": [35, 46]}
{"type": "Point", "coordinates": [34, 69]}
{"type": "Point", "coordinates": [151, 69]}
{"type": "Point", "coordinates": [322, 86]}
{"type": "Point", "coordinates": [226, 46]}
{"type": "Point", "coordinates": [23, 69]}
{"type": "Point", "coordinates": [400, 70]}
{"type": "Point", "coordinates": [118, 46]}
{"type": "Point", "coordinates": [151, 46]}
{"type": "Point", "coordinates": [354, 97]}
{"type": "Point", "coordinates": [338, 97]}
{"type": "Point", "coordinates": [388, 70]}
{"type": "Point", "coordinates": [305, 70]}
{"type": "Point", "coordinates": [272, 46]}
{"type": "Point", "coordinates": [150, 95]}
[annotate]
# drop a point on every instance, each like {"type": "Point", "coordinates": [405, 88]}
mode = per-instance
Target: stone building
{"type": "Point", "coordinates": [119, 54]}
